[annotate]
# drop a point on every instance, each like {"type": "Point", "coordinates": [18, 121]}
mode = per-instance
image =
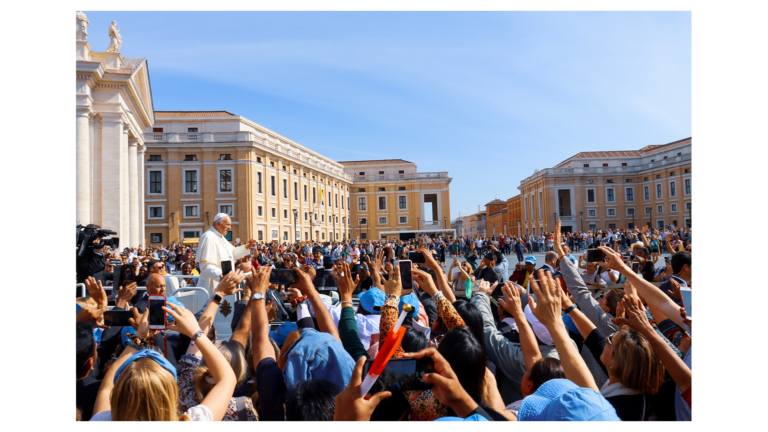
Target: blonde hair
{"type": "Point", "coordinates": [145, 391]}
{"type": "Point", "coordinates": [87, 302]}
{"type": "Point", "coordinates": [635, 364]}
{"type": "Point", "coordinates": [236, 359]}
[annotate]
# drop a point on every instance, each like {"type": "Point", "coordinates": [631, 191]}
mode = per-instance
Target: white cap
{"type": "Point", "coordinates": [219, 217]}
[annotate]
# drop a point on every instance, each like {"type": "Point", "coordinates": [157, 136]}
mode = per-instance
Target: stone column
{"type": "Point", "coordinates": [133, 187]}
{"type": "Point", "coordinates": [125, 181]}
{"type": "Point", "coordinates": [140, 162]}
{"type": "Point", "coordinates": [111, 157]}
{"type": "Point", "coordinates": [83, 152]}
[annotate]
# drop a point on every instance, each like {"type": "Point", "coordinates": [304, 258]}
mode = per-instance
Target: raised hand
{"type": "Point", "coordinates": [125, 293]}
{"type": "Point", "coordinates": [88, 314]}
{"type": "Point", "coordinates": [559, 239]}
{"type": "Point", "coordinates": [425, 281]}
{"type": "Point", "coordinates": [184, 320]}
{"type": "Point", "coordinates": [96, 291]}
{"type": "Point", "coordinates": [675, 291]}
{"type": "Point", "coordinates": [613, 260]}
{"type": "Point", "coordinates": [548, 304]}
{"type": "Point", "coordinates": [394, 285]}
{"type": "Point", "coordinates": [511, 301]}
{"type": "Point", "coordinates": [229, 283]}
{"type": "Point", "coordinates": [303, 282]}
{"type": "Point", "coordinates": [260, 280]}
{"type": "Point", "coordinates": [445, 385]}
{"type": "Point", "coordinates": [429, 259]}
{"type": "Point", "coordinates": [351, 404]}
{"type": "Point", "coordinates": [635, 316]}
{"type": "Point", "coordinates": [343, 277]}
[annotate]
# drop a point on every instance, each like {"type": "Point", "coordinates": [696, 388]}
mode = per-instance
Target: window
{"type": "Point", "coordinates": [322, 218]}
{"type": "Point", "coordinates": [261, 235]}
{"type": "Point", "coordinates": [628, 181]}
{"type": "Point", "coordinates": [611, 212]}
{"type": "Point", "coordinates": [660, 209]}
{"type": "Point", "coordinates": [673, 208]}
{"type": "Point", "coordinates": [306, 235]}
{"type": "Point", "coordinates": [586, 165]}
{"type": "Point", "coordinates": [590, 182]}
{"type": "Point", "coordinates": [258, 159]}
{"type": "Point", "coordinates": [156, 182]}
{"type": "Point", "coordinates": [382, 203]}
{"type": "Point", "coordinates": [688, 206]}
{"type": "Point", "coordinates": [630, 211]}
{"type": "Point", "coordinates": [285, 169]}
{"type": "Point", "coordinates": [364, 221]}
{"type": "Point", "coordinates": [401, 188]}
{"type": "Point", "coordinates": [401, 174]}
{"type": "Point", "coordinates": [348, 206]}
{"type": "Point", "coordinates": [671, 173]}
{"type": "Point", "coordinates": [382, 220]}
{"type": "Point", "coordinates": [314, 195]}
{"type": "Point", "coordinates": [342, 202]}
{"type": "Point", "coordinates": [623, 164]}
{"type": "Point", "coordinates": [609, 181]}
{"type": "Point", "coordinates": [190, 181]}
{"type": "Point", "coordinates": [191, 130]}
{"type": "Point", "coordinates": [630, 194]}
{"type": "Point", "coordinates": [541, 205]}
{"type": "Point", "coordinates": [285, 235]}
{"type": "Point", "coordinates": [155, 212]}
{"type": "Point", "coordinates": [592, 227]}
{"type": "Point", "coordinates": [645, 178]}
{"type": "Point", "coordinates": [272, 190]}
{"type": "Point", "coordinates": [686, 171]}
{"type": "Point", "coordinates": [526, 208]}
{"type": "Point", "coordinates": [382, 189]}
{"type": "Point", "coordinates": [225, 180]}
{"type": "Point", "coordinates": [401, 202]}
{"type": "Point", "coordinates": [653, 160]}
{"type": "Point", "coordinates": [190, 158]}
{"type": "Point", "coordinates": [323, 234]}
{"type": "Point", "coordinates": [285, 188]}
{"type": "Point", "coordinates": [260, 211]}
{"type": "Point", "coordinates": [403, 219]}
{"type": "Point", "coordinates": [156, 238]}
{"type": "Point", "coordinates": [155, 158]}
{"type": "Point", "coordinates": [592, 213]}
{"type": "Point", "coordinates": [647, 210]}
{"type": "Point", "coordinates": [336, 200]}
{"type": "Point", "coordinates": [306, 216]}
{"type": "Point", "coordinates": [590, 195]}
{"type": "Point", "coordinates": [687, 186]}
{"type": "Point", "coordinates": [647, 192]}
{"type": "Point", "coordinates": [157, 129]}
{"type": "Point", "coordinates": [362, 173]}
{"type": "Point", "coordinates": [658, 176]}
{"type": "Point", "coordinates": [658, 191]}
{"type": "Point", "coordinates": [295, 172]}
{"type": "Point", "coordinates": [258, 182]}
{"type": "Point", "coordinates": [225, 156]}
{"type": "Point", "coordinates": [660, 223]}
{"type": "Point", "coordinates": [673, 189]}
{"type": "Point", "coordinates": [191, 234]}
{"type": "Point", "coordinates": [361, 189]}
{"type": "Point", "coordinates": [272, 164]}
{"type": "Point", "coordinates": [285, 213]}
{"type": "Point", "coordinates": [295, 191]}
{"type": "Point", "coordinates": [305, 193]}
{"type": "Point", "coordinates": [605, 165]}
{"type": "Point", "coordinates": [361, 203]}
{"type": "Point", "coordinates": [191, 210]}
{"type": "Point", "coordinates": [612, 226]}
{"type": "Point", "coordinates": [609, 195]}
{"type": "Point", "coordinates": [274, 213]}
{"type": "Point", "coordinates": [228, 209]}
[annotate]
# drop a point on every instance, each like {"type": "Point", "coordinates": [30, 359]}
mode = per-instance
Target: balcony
{"type": "Point", "coordinates": [409, 176]}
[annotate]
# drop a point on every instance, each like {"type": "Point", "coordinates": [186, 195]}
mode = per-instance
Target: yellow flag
{"type": "Point", "coordinates": [321, 195]}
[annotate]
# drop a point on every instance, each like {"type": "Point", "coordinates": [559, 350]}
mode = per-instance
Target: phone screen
{"type": "Point", "coordinates": [402, 374]}
{"type": "Point", "coordinates": [635, 267]}
{"type": "Point", "coordinates": [686, 294]}
{"type": "Point", "coordinates": [416, 257]}
{"type": "Point", "coordinates": [226, 267]}
{"type": "Point", "coordinates": [405, 274]}
{"type": "Point", "coordinates": [117, 318]}
{"type": "Point", "coordinates": [156, 312]}
{"type": "Point", "coordinates": [595, 255]}
{"type": "Point", "coordinates": [283, 277]}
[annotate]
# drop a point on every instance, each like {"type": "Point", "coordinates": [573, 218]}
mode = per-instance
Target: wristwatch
{"type": "Point", "coordinates": [570, 308]}
{"type": "Point", "coordinates": [258, 296]}
{"type": "Point", "coordinates": [217, 298]}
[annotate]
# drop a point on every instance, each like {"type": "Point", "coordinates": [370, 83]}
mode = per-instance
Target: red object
{"type": "Point", "coordinates": [386, 351]}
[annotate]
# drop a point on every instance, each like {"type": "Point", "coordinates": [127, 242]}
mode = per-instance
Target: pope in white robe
{"type": "Point", "coordinates": [213, 249]}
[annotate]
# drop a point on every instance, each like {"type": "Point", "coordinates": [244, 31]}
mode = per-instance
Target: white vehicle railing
{"type": "Point", "coordinates": [83, 291]}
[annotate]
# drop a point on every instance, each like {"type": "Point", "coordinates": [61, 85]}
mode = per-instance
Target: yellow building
{"type": "Point", "coordinates": [390, 196]}
{"type": "Point", "coordinates": [202, 163]}
{"type": "Point", "coordinates": [611, 189]}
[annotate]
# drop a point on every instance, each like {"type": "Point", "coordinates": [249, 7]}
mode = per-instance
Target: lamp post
{"type": "Point", "coordinates": [581, 215]}
{"type": "Point", "coordinates": [633, 218]}
{"type": "Point", "coordinates": [445, 222]}
{"type": "Point", "coordinates": [295, 224]}
{"type": "Point", "coordinates": [418, 223]}
{"type": "Point", "coordinates": [518, 227]}
{"type": "Point", "coordinates": [208, 217]}
{"type": "Point", "coordinates": [554, 216]}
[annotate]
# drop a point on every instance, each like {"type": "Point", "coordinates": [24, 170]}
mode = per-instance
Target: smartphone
{"type": "Point", "coordinates": [595, 255]}
{"type": "Point", "coordinates": [283, 277]}
{"type": "Point", "coordinates": [405, 273]}
{"type": "Point", "coordinates": [627, 257]}
{"type": "Point", "coordinates": [416, 257]}
{"type": "Point", "coordinates": [117, 318]}
{"type": "Point", "coordinates": [402, 374]}
{"type": "Point", "coordinates": [685, 293]}
{"type": "Point", "coordinates": [273, 327]}
{"type": "Point", "coordinates": [226, 267]}
{"type": "Point", "coordinates": [155, 304]}
{"type": "Point", "coordinates": [636, 267]}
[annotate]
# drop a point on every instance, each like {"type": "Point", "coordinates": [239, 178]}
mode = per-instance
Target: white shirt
{"type": "Point", "coordinates": [196, 413]}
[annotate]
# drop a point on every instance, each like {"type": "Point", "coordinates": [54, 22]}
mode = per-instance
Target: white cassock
{"type": "Point", "coordinates": [211, 251]}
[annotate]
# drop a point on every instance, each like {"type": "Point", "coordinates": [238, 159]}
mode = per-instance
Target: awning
{"type": "Point", "coordinates": [190, 241]}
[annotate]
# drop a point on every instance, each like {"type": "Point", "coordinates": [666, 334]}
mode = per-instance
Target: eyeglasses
{"type": "Point", "coordinates": [156, 267]}
{"type": "Point", "coordinates": [608, 339]}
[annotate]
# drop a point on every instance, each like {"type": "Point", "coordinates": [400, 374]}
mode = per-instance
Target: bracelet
{"type": "Point", "coordinates": [133, 346]}
{"type": "Point", "coordinates": [570, 308]}
{"type": "Point", "coordinates": [135, 339]}
{"type": "Point", "coordinates": [347, 302]}
{"type": "Point", "coordinates": [437, 296]}
{"type": "Point", "coordinates": [295, 302]}
{"type": "Point", "coordinates": [196, 335]}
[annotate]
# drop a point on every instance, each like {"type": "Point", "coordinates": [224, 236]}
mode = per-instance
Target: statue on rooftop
{"type": "Point", "coordinates": [81, 26]}
{"type": "Point", "coordinates": [115, 39]}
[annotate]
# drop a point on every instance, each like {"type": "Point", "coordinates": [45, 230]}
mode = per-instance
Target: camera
{"type": "Point", "coordinates": [87, 234]}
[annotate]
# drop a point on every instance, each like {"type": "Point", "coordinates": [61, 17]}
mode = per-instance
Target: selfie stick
{"type": "Point", "coordinates": [386, 351]}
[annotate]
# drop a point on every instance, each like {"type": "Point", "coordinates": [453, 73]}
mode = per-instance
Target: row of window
{"type": "Point", "coordinates": [158, 237]}
{"type": "Point", "coordinates": [383, 220]}
{"type": "Point", "coordinates": [631, 211]}
{"type": "Point", "coordinates": [660, 224]}
{"type": "Point", "coordinates": [402, 203]}
{"type": "Point", "coordinates": [629, 193]}
{"type": "Point", "coordinates": [193, 211]}
{"type": "Point", "coordinates": [382, 189]}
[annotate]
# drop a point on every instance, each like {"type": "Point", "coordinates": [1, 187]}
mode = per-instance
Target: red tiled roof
{"type": "Point", "coordinates": [376, 160]}
{"type": "Point", "coordinates": [192, 113]}
{"type": "Point", "coordinates": [623, 153]}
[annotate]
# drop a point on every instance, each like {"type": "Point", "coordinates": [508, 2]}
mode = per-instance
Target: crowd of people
{"type": "Point", "coordinates": [566, 339]}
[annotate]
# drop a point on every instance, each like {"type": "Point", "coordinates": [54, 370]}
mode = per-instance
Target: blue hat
{"type": "Point", "coordinates": [282, 332]}
{"type": "Point", "coordinates": [123, 337]}
{"type": "Point", "coordinates": [530, 259]}
{"type": "Point", "coordinates": [154, 355]}
{"type": "Point", "coordinates": [473, 417]}
{"type": "Point", "coordinates": [317, 355]}
{"type": "Point", "coordinates": [412, 300]}
{"type": "Point", "coordinates": [372, 300]}
{"type": "Point", "coordinates": [572, 258]}
{"type": "Point", "coordinates": [562, 400]}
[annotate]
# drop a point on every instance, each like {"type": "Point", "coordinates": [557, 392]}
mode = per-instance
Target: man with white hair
{"type": "Point", "coordinates": [213, 249]}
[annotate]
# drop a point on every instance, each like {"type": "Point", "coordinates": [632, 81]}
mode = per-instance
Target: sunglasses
{"type": "Point", "coordinates": [608, 339]}
{"type": "Point", "coordinates": [158, 267]}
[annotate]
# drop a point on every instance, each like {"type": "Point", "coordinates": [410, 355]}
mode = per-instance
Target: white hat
{"type": "Point", "coordinates": [219, 217]}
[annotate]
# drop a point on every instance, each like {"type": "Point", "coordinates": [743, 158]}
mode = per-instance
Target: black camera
{"type": "Point", "coordinates": [87, 234]}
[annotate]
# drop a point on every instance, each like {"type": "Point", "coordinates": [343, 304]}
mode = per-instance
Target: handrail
{"type": "Point", "coordinates": [190, 289]}
{"type": "Point", "coordinates": [83, 292]}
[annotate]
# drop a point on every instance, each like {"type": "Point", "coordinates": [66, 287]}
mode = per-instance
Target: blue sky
{"type": "Point", "coordinates": [487, 96]}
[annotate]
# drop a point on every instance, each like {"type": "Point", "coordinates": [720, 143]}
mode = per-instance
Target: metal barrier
{"type": "Point", "coordinates": [83, 291]}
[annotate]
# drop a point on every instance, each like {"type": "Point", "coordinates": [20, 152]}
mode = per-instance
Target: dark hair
{"type": "Point", "coordinates": [679, 259]}
{"type": "Point", "coordinates": [467, 359]}
{"type": "Point", "coordinates": [312, 400]}
{"type": "Point", "coordinates": [612, 299]}
{"type": "Point", "coordinates": [472, 318]}
{"type": "Point", "coordinates": [86, 346]}
{"type": "Point", "coordinates": [544, 370]}
{"type": "Point", "coordinates": [414, 341]}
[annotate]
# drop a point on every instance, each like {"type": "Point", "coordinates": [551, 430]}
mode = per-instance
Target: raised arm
{"type": "Point", "coordinates": [669, 239]}
{"type": "Point", "coordinates": [322, 315]}
{"type": "Point", "coordinates": [261, 347]}
{"type": "Point", "coordinates": [389, 311]}
{"type": "Point", "coordinates": [548, 309]}
{"type": "Point", "coordinates": [442, 282]}
{"type": "Point", "coordinates": [350, 336]}
{"type": "Point", "coordinates": [514, 306]}
{"type": "Point", "coordinates": [444, 307]}
{"type": "Point", "coordinates": [582, 296]}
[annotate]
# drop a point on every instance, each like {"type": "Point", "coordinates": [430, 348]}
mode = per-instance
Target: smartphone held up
{"type": "Point", "coordinates": [157, 320]}
{"type": "Point", "coordinates": [406, 277]}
